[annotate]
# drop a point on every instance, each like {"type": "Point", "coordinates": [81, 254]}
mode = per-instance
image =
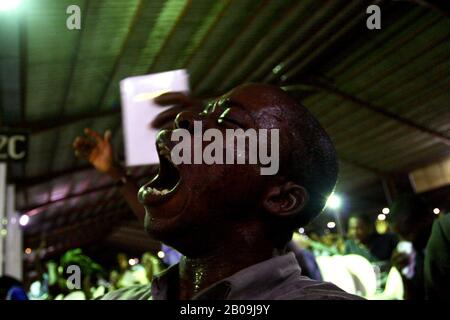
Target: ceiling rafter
{"type": "Point", "coordinates": [379, 110]}
{"type": "Point", "coordinates": [213, 24]}
{"type": "Point", "coordinates": [170, 35]}
{"type": "Point", "coordinates": [214, 63]}
{"type": "Point", "coordinates": [43, 206]}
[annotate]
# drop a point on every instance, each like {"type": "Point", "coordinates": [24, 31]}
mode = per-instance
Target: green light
{"type": "Point", "coordinates": [8, 5]}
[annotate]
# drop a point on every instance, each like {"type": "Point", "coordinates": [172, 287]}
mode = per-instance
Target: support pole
{"type": "Point", "coordinates": [2, 214]}
{"type": "Point", "coordinates": [13, 248]}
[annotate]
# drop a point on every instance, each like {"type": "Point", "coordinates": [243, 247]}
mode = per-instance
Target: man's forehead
{"type": "Point", "coordinates": [254, 98]}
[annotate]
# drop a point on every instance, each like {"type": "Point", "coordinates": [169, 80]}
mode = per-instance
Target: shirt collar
{"type": "Point", "coordinates": [163, 281]}
{"type": "Point", "coordinates": [249, 283]}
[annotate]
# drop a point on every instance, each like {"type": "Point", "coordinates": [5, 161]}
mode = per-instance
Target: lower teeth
{"type": "Point", "coordinates": [158, 192]}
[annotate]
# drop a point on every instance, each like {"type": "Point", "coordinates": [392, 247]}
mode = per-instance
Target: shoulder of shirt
{"type": "Point", "coordinates": [136, 292]}
{"type": "Point", "coordinates": [308, 289]}
{"type": "Point", "coordinates": [440, 226]}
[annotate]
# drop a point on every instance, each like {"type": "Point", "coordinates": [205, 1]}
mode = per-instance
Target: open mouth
{"type": "Point", "coordinates": [166, 181]}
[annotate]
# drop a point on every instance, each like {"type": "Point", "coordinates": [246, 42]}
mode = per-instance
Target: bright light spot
{"type": "Point", "coordinates": [334, 201]}
{"type": "Point", "coordinates": [301, 230]}
{"type": "Point", "coordinates": [132, 262]}
{"type": "Point", "coordinates": [35, 289]}
{"type": "Point", "coordinates": [331, 224]}
{"type": "Point", "coordinates": [24, 219]}
{"type": "Point", "coordinates": [161, 254]}
{"type": "Point", "coordinates": [4, 221]}
{"type": "Point", "coordinates": [277, 68]}
{"type": "Point", "coordinates": [3, 232]}
{"type": "Point", "coordinates": [6, 5]}
{"type": "Point", "coordinates": [386, 210]}
{"type": "Point", "coordinates": [381, 217]}
{"type": "Point", "coordinates": [28, 250]}
{"type": "Point", "coordinates": [436, 211]}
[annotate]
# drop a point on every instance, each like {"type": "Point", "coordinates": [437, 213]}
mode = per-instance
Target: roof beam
{"type": "Point", "coordinates": [31, 181]}
{"type": "Point", "coordinates": [83, 223]}
{"type": "Point", "coordinates": [173, 28]}
{"type": "Point", "coordinates": [442, 7]}
{"type": "Point", "coordinates": [214, 63]}
{"type": "Point", "coordinates": [76, 195]}
{"type": "Point", "coordinates": [359, 165]}
{"type": "Point", "coordinates": [142, 6]}
{"type": "Point", "coordinates": [43, 206]}
{"type": "Point", "coordinates": [379, 110]}
{"type": "Point", "coordinates": [50, 124]}
{"type": "Point", "coordinates": [89, 209]}
{"type": "Point", "coordinates": [77, 229]}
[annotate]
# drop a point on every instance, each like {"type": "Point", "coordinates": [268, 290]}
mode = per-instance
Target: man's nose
{"type": "Point", "coordinates": [185, 120]}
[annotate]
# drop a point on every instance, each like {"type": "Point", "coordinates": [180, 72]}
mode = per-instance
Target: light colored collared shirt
{"type": "Point", "coordinates": [278, 278]}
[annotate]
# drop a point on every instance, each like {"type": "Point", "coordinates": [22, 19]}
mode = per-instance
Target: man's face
{"type": "Point", "coordinates": [203, 201]}
{"type": "Point", "coordinates": [358, 230]}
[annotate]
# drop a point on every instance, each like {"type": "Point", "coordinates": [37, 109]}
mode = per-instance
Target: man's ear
{"type": "Point", "coordinates": [285, 200]}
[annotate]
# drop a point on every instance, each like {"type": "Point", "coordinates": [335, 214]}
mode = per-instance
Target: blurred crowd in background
{"type": "Point", "coordinates": [404, 256]}
{"type": "Point", "coordinates": [54, 279]}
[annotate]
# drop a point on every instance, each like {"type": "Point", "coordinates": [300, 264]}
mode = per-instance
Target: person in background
{"type": "Point", "coordinates": [113, 281]}
{"type": "Point", "coordinates": [365, 241]}
{"type": "Point", "coordinates": [334, 241]}
{"type": "Point", "coordinates": [305, 258]}
{"type": "Point", "coordinates": [151, 265]}
{"type": "Point", "coordinates": [437, 261]}
{"type": "Point", "coordinates": [122, 263]}
{"type": "Point", "coordinates": [11, 289]}
{"type": "Point", "coordinates": [412, 219]}
{"type": "Point", "coordinates": [126, 276]}
{"type": "Point", "coordinates": [91, 274]}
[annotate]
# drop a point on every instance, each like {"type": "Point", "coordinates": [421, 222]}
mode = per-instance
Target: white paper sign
{"type": "Point", "coordinates": [139, 110]}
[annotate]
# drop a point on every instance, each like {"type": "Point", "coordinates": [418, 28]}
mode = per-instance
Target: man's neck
{"type": "Point", "coordinates": [196, 274]}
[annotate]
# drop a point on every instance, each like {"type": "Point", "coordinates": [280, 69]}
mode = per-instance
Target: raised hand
{"type": "Point", "coordinates": [96, 149]}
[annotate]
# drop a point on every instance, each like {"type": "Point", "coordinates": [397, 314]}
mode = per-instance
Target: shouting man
{"type": "Point", "coordinates": [230, 222]}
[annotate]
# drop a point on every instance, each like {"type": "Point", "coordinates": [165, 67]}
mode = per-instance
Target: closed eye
{"type": "Point", "coordinates": [228, 121]}
{"type": "Point", "coordinates": [224, 118]}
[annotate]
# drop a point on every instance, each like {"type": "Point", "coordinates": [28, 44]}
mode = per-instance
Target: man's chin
{"type": "Point", "coordinates": [168, 231]}
{"type": "Point", "coordinates": [161, 227]}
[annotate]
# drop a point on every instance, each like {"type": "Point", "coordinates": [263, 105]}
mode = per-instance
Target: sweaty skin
{"type": "Point", "coordinates": [217, 216]}
{"type": "Point", "coordinates": [220, 217]}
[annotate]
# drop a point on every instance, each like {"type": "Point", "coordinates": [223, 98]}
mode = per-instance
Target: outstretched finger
{"type": "Point", "coordinates": [93, 134]}
{"type": "Point", "coordinates": [81, 142]}
{"type": "Point", "coordinates": [107, 136]}
{"type": "Point", "coordinates": [76, 142]}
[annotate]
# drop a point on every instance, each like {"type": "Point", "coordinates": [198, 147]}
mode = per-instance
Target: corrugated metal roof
{"type": "Point", "coordinates": [71, 77]}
